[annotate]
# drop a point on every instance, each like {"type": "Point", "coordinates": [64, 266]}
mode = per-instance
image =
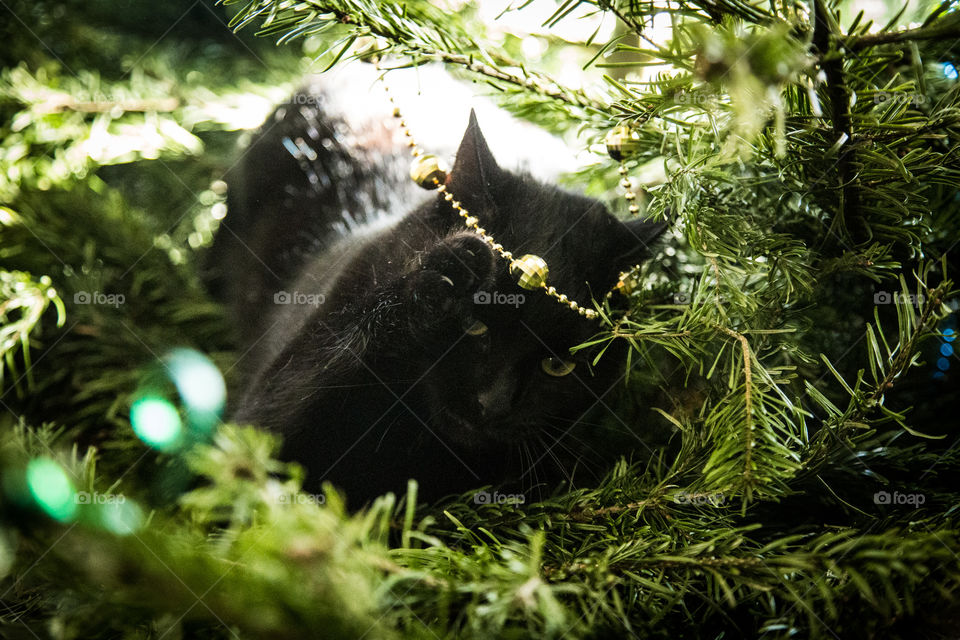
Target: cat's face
{"type": "Point", "coordinates": [510, 377]}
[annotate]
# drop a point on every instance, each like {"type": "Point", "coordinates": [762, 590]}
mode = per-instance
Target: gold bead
{"type": "Point", "coordinates": [470, 221]}
{"type": "Point", "coordinates": [630, 195]}
{"type": "Point", "coordinates": [396, 112]}
{"type": "Point", "coordinates": [625, 183]}
{"type": "Point", "coordinates": [480, 230]}
{"type": "Point", "coordinates": [530, 271]}
{"type": "Point", "coordinates": [497, 246]}
{"type": "Point", "coordinates": [634, 209]}
{"type": "Point", "coordinates": [628, 282]}
{"type": "Point", "coordinates": [506, 255]}
{"type": "Point", "coordinates": [552, 291]}
{"type": "Point", "coordinates": [573, 305]}
{"type": "Point", "coordinates": [622, 170]}
{"type": "Point", "coordinates": [622, 143]}
{"type": "Point", "coordinates": [476, 329]}
{"type": "Point", "coordinates": [589, 313]}
{"type": "Point", "coordinates": [562, 298]}
{"type": "Point", "coordinates": [427, 171]}
{"type": "Point", "coordinates": [455, 204]}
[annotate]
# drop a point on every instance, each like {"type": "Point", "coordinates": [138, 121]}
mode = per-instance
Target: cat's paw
{"type": "Point", "coordinates": [449, 275]}
{"type": "Point", "coordinates": [432, 294]}
{"type": "Point", "coordinates": [464, 261]}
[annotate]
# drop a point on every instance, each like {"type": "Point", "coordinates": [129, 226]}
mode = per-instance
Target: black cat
{"type": "Point", "coordinates": [411, 351]}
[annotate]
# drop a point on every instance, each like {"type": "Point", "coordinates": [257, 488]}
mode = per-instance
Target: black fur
{"type": "Point", "coordinates": [381, 381]}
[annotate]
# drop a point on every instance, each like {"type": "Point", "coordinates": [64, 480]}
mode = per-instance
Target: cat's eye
{"type": "Point", "coordinates": [476, 329]}
{"type": "Point", "coordinates": [557, 367]}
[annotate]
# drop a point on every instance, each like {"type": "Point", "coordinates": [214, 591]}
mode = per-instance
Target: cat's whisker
{"type": "Point", "coordinates": [432, 418]}
{"type": "Point", "coordinates": [599, 426]}
{"type": "Point", "coordinates": [564, 468]}
{"type": "Point", "coordinates": [572, 436]}
{"type": "Point", "coordinates": [582, 462]}
{"type": "Point", "coordinates": [556, 460]}
{"type": "Point", "coordinates": [585, 453]}
{"type": "Point", "coordinates": [534, 491]}
{"type": "Point", "coordinates": [522, 460]}
{"type": "Point", "coordinates": [588, 459]}
{"type": "Point", "coordinates": [342, 386]}
{"type": "Point", "coordinates": [534, 476]}
{"type": "Point", "coordinates": [385, 431]}
{"type": "Point", "coordinates": [526, 461]}
{"type": "Point", "coordinates": [561, 418]}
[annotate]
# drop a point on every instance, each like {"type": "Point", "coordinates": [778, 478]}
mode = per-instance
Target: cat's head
{"type": "Point", "coordinates": [512, 378]}
{"type": "Point", "coordinates": [585, 246]}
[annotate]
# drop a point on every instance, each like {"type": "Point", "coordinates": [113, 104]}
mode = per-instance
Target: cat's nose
{"type": "Point", "coordinates": [497, 399]}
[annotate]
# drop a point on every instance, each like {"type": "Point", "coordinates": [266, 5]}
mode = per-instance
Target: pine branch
{"type": "Point", "coordinates": [825, 34]}
{"type": "Point", "coordinates": [67, 103]}
{"type": "Point", "coordinates": [944, 28]}
{"type": "Point", "coordinates": [435, 39]}
{"type": "Point", "coordinates": [887, 364]}
{"type": "Point", "coordinates": [23, 302]}
{"type": "Point", "coordinates": [748, 438]}
{"type": "Point", "coordinates": [931, 313]}
{"type": "Point", "coordinates": [532, 81]}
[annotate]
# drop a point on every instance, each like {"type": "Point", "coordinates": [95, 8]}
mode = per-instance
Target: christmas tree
{"type": "Point", "coordinates": [795, 337]}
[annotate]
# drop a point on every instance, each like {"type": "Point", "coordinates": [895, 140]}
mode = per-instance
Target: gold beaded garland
{"type": "Point", "coordinates": [628, 282]}
{"type": "Point", "coordinates": [622, 142]}
{"type": "Point", "coordinates": [428, 172]}
{"type": "Point", "coordinates": [531, 272]}
{"type": "Point", "coordinates": [616, 152]}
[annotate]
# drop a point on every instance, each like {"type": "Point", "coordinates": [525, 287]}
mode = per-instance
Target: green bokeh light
{"type": "Point", "coordinates": [200, 386]}
{"type": "Point", "coordinates": [122, 518]}
{"type": "Point", "coordinates": [51, 489]}
{"type": "Point", "coordinates": [157, 422]}
{"type": "Point", "coordinates": [168, 420]}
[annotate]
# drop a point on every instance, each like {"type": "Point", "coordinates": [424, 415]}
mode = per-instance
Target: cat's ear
{"type": "Point", "coordinates": [475, 170]}
{"type": "Point", "coordinates": [637, 240]}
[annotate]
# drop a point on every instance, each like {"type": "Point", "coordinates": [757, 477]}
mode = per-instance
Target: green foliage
{"type": "Point", "coordinates": [24, 301]}
{"type": "Point", "coordinates": [784, 337]}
